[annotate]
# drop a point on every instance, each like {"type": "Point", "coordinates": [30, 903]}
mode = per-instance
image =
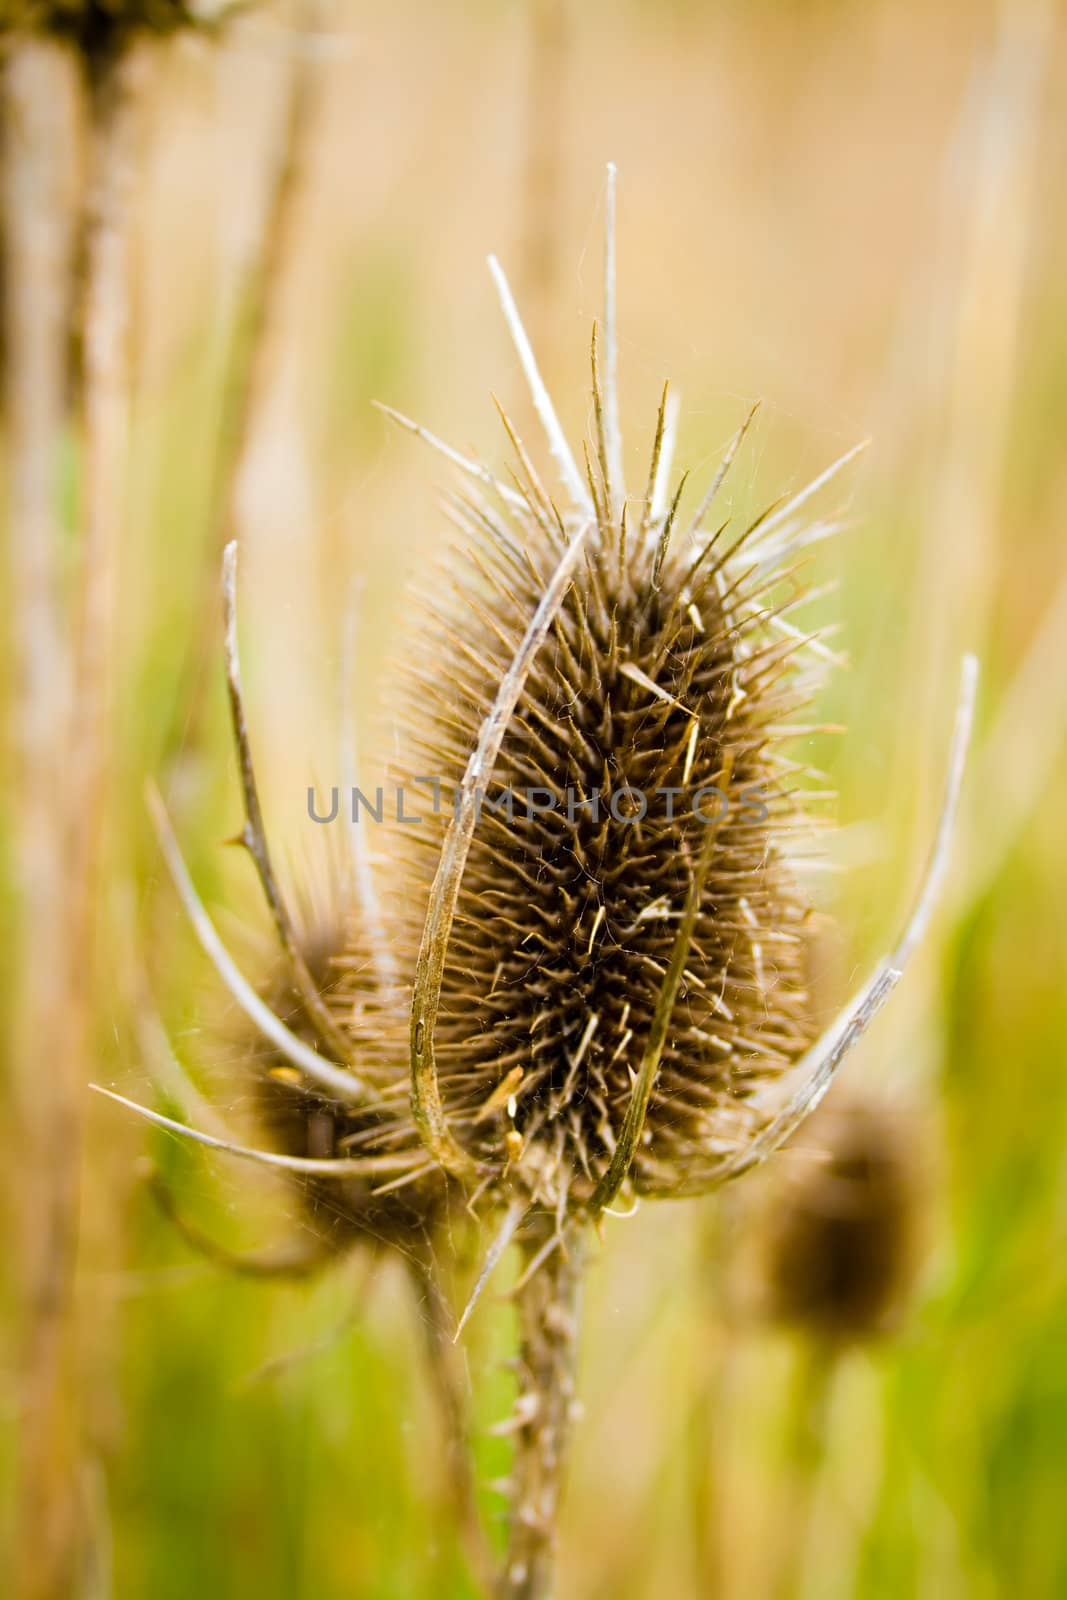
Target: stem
{"type": "Point", "coordinates": [546, 1408]}
{"type": "Point", "coordinates": [66, 718]}
{"type": "Point", "coordinates": [451, 1394]}
{"type": "Point", "coordinates": [37, 241]}
{"type": "Point", "coordinates": [806, 1421]}
{"type": "Point", "coordinates": [254, 352]}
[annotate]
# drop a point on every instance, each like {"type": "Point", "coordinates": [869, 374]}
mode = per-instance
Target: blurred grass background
{"type": "Point", "coordinates": [855, 212]}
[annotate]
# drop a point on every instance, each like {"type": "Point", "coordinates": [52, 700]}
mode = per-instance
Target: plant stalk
{"type": "Point", "coordinates": [38, 248]}
{"type": "Point", "coordinates": [545, 1411]}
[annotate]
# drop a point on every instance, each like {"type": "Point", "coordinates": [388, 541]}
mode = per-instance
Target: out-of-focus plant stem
{"type": "Point", "coordinates": [806, 1423]}
{"type": "Point", "coordinates": [442, 1359]}
{"type": "Point", "coordinates": [66, 741]}
{"type": "Point", "coordinates": [254, 352]}
{"type": "Point", "coordinates": [37, 242]}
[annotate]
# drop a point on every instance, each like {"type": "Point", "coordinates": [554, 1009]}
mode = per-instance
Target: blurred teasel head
{"type": "Point", "coordinates": [303, 1120]}
{"type": "Point", "coordinates": [842, 1222]}
{"type": "Point", "coordinates": [101, 30]}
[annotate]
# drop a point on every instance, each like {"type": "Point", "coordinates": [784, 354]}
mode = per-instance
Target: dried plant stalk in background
{"type": "Point", "coordinates": [255, 348]}
{"type": "Point", "coordinates": [64, 646]}
{"type": "Point", "coordinates": [37, 241]}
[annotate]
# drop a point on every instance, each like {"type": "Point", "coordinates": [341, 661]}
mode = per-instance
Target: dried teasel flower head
{"type": "Point", "coordinates": [303, 1120]}
{"type": "Point", "coordinates": [841, 1224]}
{"type": "Point", "coordinates": [321, 1041]}
{"type": "Point", "coordinates": [606, 936]}
{"type": "Point", "coordinates": [102, 29]}
{"type": "Point", "coordinates": [603, 937]}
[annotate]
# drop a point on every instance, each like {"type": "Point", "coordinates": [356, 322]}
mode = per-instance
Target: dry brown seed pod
{"type": "Point", "coordinates": [404, 1210]}
{"type": "Point", "coordinates": [608, 962]}
{"type": "Point", "coordinates": [841, 1224]}
{"type": "Point", "coordinates": [99, 29]}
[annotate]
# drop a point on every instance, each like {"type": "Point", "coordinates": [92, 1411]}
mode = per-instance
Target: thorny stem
{"type": "Point", "coordinates": [49, 1456]}
{"type": "Point", "coordinates": [36, 245]}
{"type": "Point", "coordinates": [545, 1411]}
{"type": "Point", "coordinates": [452, 1398]}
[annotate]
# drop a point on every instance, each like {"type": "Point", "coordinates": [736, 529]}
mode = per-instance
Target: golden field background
{"type": "Point", "coordinates": [853, 211]}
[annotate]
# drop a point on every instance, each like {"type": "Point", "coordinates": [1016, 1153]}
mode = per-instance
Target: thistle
{"type": "Point", "coordinates": [602, 934]}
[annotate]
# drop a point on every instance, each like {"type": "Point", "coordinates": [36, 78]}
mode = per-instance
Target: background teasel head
{"type": "Point", "coordinates": [321, 1045]}
{"type": "Point", "coordinates": [99, 27]}
{"type": "Point", "coordinates": [302, 1120]}
{"type": "Point", "coordinates": [841, 1223]}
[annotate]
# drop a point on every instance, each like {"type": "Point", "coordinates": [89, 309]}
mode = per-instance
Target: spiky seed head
{"type": "Point", "coordinates": [299, 1119]}
{"type": "Point", "coordinates": [100, 29]}
{"type": "Point", "coordinates": [841, 1222]}
{"type": "Point", "coordinates": [664, 677]}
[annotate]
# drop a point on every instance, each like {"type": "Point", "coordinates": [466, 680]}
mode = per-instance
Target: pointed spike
{"type": "Point", "coordinates": [796, 501]}
{"type": "Point", "coordinates": [716, 483]}
{"type": "Point", "coordinates": [474, 469]}
{"type": "Point", "coordinates": [665, 536]}
{"type": "Point", "coordinates": [508, 1230]}
{"type": "Point", "coordinates": [337, 1080]}
{"type": "Point", "coordinates": [666, 456]}
{"type": "Point", "coordinates": [557, 441]}
{"type": "Point", "coordinates": [612, 430]}
{"type": "Point", "coordinates": [270, 1158]}
{"type": "Point", "coordinates": [647, 515]}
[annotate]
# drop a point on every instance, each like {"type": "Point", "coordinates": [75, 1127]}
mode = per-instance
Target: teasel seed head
{"type": "Point", "coordinates": [842, 1222]}
{"type": "Point", "coordinates": [300, 1119]}
{"type": "Point", "coordinates": [100, 30]}
{"type": "Point", "coordinates": [633, 837]}
{"type": "Point", "coordinates": [608, 976]}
